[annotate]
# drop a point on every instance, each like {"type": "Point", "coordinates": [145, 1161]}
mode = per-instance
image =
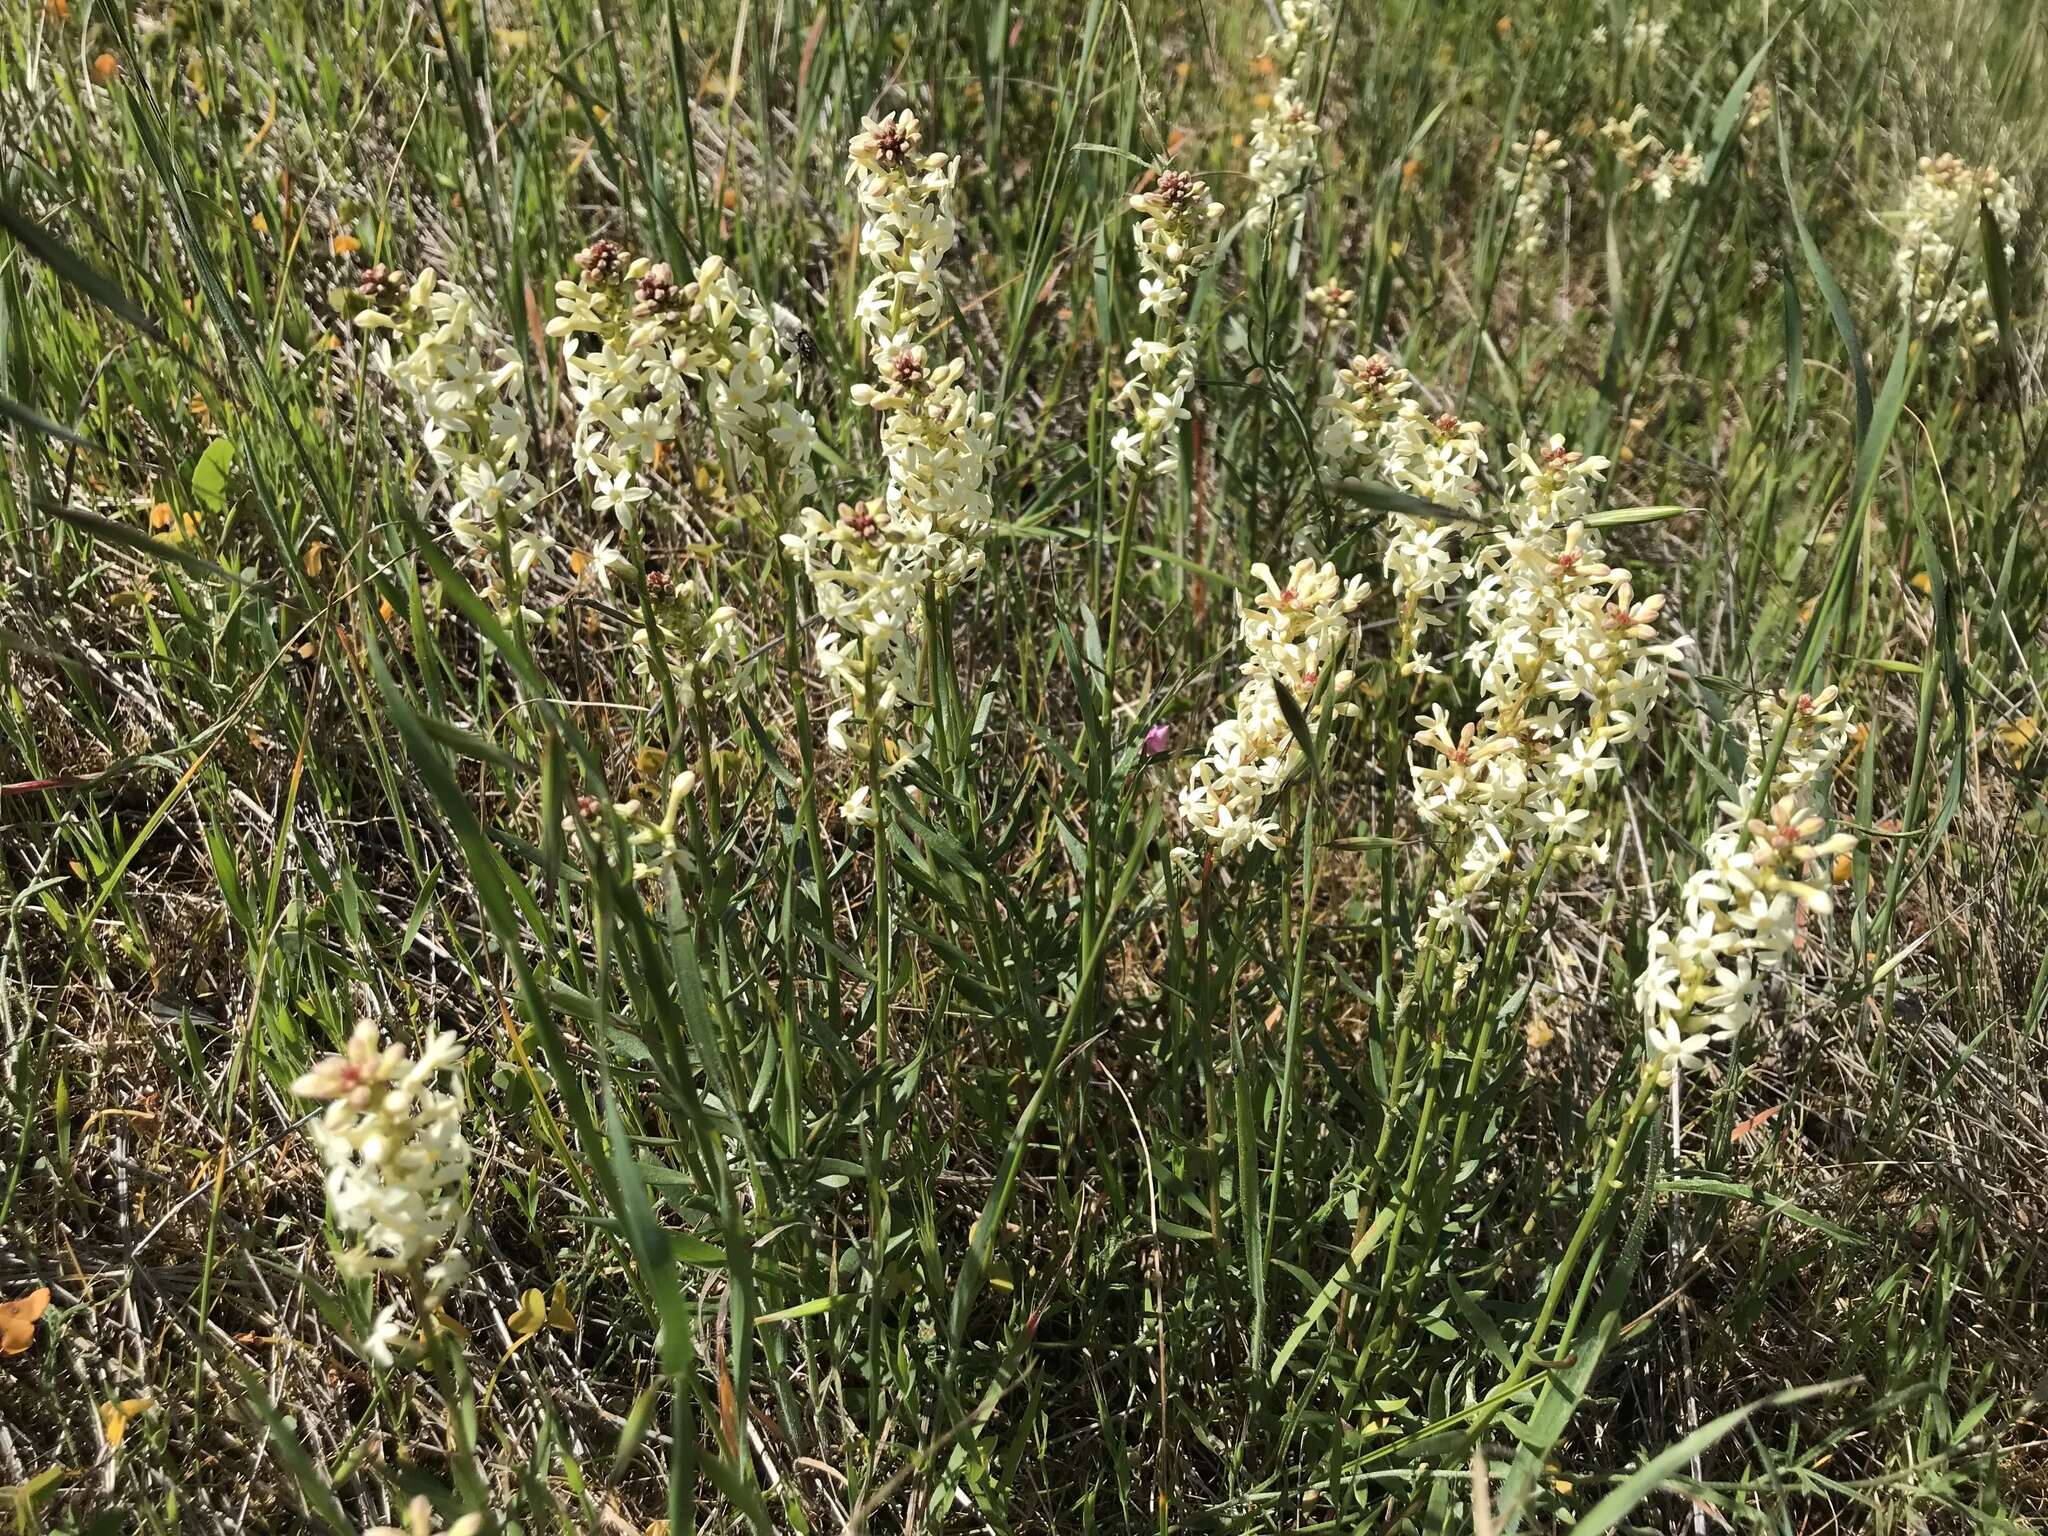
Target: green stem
{"type": "Point", "coordinates": [1291, 1061]}
{"type": "Point", "coordinates": [1624, 1143]}
{"type": "Point", "coordinates": [1126, 532]}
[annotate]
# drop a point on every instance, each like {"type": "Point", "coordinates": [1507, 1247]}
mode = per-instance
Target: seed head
{"type": "Point", "coordinates": [382, 285]}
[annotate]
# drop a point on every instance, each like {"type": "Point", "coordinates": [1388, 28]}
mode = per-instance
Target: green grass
{"type": "Point", "coordinates": [988, 1172]}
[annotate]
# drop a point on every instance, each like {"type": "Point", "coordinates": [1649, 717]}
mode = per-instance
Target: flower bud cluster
{"type": "Point", "coordinates": [697, 641]}
{"type": "Point", "coordinates": [1745, 908]}
{"type": "Point", "coordinates": [1359, 412]}
{"type": "Point", "coordinates": [391, 1137]}
{"type": "Point", "coordinates": [634, 341]}
{"type": "Point", "coordinates": [1809, 731]}
{"type": "Point", "coordinates": [1569, 664]}
{"type": "Point", "coordinates": [1175, 233]}
{"type": "Point", "coordinates": [1284, 135]}
{"type": "Point", "coordinates": [656, 843]}
{"type": "Point", "coordinates": [1939, 218]}
{"type": "Point", "coordinates": [1331, 299]}
{"type": "Point", "coordinates": [437, 345]}
{"type": "Point", "coordinates": [1293, 635]}
{"type": "Point", "coordinates": [1663, 171]}
{"type": "Point", "coordinates": [871, 565]}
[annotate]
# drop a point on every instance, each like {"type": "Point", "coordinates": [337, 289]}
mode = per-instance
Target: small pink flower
{"type": "Point", "coordinates": [1158, 739]}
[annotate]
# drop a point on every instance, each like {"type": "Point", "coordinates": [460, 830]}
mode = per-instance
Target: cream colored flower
{"type": "Point", "coordinates": [1284, 136]}
{"type": "Point", "coordinates": [1535, 174]}
{"type": "Point", "coordinates": [1742, 911]}
{"type": "Point", "coordinates": [1569, 664]}
{"type": "Point", "coordinates": [1939, 228]}
{"type": "Point", "coordinates": [1174, 236]}
{"type": "Point", "coordinates": [1331, 298]}
{"type": "Point", "coordinates": [872, 565]}
{"type": "Point", "coordinates": [419, 1521]}
{"type": "Point", "coordinates": [1294, 633]}
{"type": "Point", "coordinates": [636, 342]}
{"type": "Point", "coordinates": [435, 342]}
{"type": "Point", "coordinates": [391, 1137]}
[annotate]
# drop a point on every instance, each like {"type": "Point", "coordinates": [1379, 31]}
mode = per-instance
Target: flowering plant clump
{"type": "Point", "coordinates": [435, 343]}
{"type": "Point", "coordinates": [755, 675]}
{"type": "Point", "coordinates": [1293, 634]}
{"type": "Point", "coordinates": [1174, 235]}
{"type": "Point", "coordinates": [1284, 135]}
{"type": "Point", "coordinates": [1535, 174]}
{"type": "Point", "coordinates": [634, 340]}
{"type": "Point", "coordinates": [1745, 907]}
{"type": "Point", "coordinates": [1569, 664]}
{"type": "Point", "coordinates": [871, 566]}
{"type": "Point", "coordinates": [1939, 220]}
{"type": "Point", "coordinates": [391, 1137]}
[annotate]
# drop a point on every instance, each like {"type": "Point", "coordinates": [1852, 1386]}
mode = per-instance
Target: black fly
{"type": "Point", "coordinates": [796, 338]}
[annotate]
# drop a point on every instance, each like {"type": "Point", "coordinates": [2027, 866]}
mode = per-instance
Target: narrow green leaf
{"type": "Point", "coordinates": [1368, 1241]}
{"type": "Point", "coordinates": [22, 416]}
{"type": "Point", "coordinates": [1641, 1483]}
{"type": "Point", "coordinates": [284, 1444]}
{"type": "Point", "coordinates": [1997, 282]}
{"type": "Point", "coordinates": [1778, 1204]}
{"type": "Point", "coordinates": [113, 532]}
{"type": "Point", "coordinates": [1624, 517]}
{"type": "Point", "coordinates": [1831, 291]}
{"type": "Point", "coordinates": [72, 269]}
{"type": "Point", "coordinates": [639, 1419]}
{"type": "Point", "coordinates": [652, 1253]}
{"type": "Point", "coordinates": [1297, 723]}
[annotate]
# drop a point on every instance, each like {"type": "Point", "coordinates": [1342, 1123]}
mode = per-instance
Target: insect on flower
{"type": "Point", "coordinates": [796, 338]}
